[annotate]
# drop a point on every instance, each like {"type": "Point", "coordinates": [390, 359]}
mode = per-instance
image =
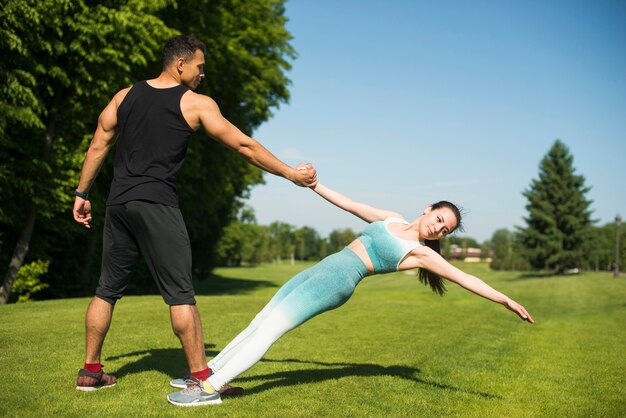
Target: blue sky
{"type": "Point", "coordinates": [399, 104]}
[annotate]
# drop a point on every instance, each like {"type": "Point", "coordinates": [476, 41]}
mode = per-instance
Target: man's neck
{"type": "Point", "coordinates": [164, 80]}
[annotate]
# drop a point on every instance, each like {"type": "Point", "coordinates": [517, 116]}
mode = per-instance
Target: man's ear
{"type": "Point", "coordinates": [180, 62]}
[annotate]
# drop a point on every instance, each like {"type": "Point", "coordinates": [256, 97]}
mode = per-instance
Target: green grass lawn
{"type": "Point", "coordinates": [395, 349]}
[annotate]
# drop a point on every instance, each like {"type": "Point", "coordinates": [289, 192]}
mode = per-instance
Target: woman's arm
{"type": "Point", "coordinates": [434, 262]}
{"type": "Point", "coordinates": [363, 211]}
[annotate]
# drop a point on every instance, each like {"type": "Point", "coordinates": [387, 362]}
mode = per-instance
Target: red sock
{"type": "Point", "coordinates": [202, 374]}
{"type": "Point", "coordinates": [93, 367]}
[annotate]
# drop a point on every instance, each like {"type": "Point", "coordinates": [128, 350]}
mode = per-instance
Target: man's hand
{"type": "Point", "coordinates": [82, 211]}
{"type": "Point", "coordinates": [306, 176]}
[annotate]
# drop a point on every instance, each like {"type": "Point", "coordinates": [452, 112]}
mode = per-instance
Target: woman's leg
{"type": "Point", "coordinates": [329, 285]}
{"type": "Point", "coordinates": [233, 347]}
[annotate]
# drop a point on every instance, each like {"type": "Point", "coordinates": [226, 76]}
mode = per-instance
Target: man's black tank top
{"type": "Point", "coordinates": [151, 147]}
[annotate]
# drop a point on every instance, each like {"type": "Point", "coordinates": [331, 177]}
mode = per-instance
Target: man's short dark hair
{"type": "Point", "coordinates": [182, 46]}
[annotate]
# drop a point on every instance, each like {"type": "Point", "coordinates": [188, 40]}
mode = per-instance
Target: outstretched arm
{"type": "Point", "coordinates": [219, 128]}
{"type": "Point", "coordinates": [99, 147]}
{"type": "Point", "coordinates": [363, 211]}
{"type": "Point", "coordinates": [434, 262]}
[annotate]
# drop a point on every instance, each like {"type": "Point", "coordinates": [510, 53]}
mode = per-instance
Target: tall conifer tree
{"type": "Point", "coordinates": [559, 218]}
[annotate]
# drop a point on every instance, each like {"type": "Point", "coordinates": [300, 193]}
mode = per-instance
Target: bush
{"type": "Point", "coordinates": [28, 282]}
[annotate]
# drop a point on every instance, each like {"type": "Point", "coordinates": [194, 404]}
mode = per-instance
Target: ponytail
{"type": "Point", "coordinates": [428, 277]}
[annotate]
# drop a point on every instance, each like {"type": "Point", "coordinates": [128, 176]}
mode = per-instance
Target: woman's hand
{"type": "Point", "coordinates": [519, 310]}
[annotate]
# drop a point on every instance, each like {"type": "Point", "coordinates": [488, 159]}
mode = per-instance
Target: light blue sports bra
{"type": "Point", "coordinates": [385, 249]}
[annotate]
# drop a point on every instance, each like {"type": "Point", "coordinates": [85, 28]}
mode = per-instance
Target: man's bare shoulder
{"type": "Point", "coordinates": [120, 95]}
{"type": "Point", "coordinates": [195, 100]}
{"type": "Point", "coordinates": [198, 109]}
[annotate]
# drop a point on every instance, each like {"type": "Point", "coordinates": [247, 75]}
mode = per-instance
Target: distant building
{"type": "Point", "coordinates": [469, 255]}
{"type": "Point", "coordinates": [473, 252]}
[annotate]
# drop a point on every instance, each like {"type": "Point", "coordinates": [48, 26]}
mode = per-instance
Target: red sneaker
{"type": "Point", "coordinates": [88, 382]}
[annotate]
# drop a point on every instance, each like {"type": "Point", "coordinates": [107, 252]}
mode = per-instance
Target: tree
{"type": "Point", "coordinates": [559, 218]}
{"type": "Point", "coordinates": [506, 251]}
{"type": "Point", "coordinates": [247, 52]}
{"type": "Point", "coordinates": [307, 242]}
{"type": "Point", "coordinates": [243, 241]}
{"type": "Point", "coordinates": [339, 238]}
{"type": "Point", "coordinates": [282, 240]}
{"type": "Point", "coordinates": [63, 60]}
{"type": "Point", "coordinates": [601, 254]}
{"type": "Point", "coordinates": [57, 69]}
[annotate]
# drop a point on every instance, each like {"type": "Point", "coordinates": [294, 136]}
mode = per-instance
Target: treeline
{"type": "Point", "coordinates": [246, 242]}
{"type": "Point", "coordinates": [507, 250]}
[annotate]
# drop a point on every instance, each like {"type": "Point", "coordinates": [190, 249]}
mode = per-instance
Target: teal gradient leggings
{"type": "Point", "coordinates": [323, 287]}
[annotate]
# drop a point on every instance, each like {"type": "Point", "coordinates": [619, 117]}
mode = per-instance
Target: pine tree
{"type": "Point", "coordinates": [559, 219]}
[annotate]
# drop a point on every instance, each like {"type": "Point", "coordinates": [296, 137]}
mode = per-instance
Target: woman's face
{"type": "Point", "coordinates": [437, 223]}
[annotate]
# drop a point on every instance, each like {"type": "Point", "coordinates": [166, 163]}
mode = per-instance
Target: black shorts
{"type": "Point", "coordinates": [158, 233]}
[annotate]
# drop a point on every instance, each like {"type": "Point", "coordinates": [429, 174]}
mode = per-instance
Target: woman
{"type": "Point", "coordinates": [388, 244]}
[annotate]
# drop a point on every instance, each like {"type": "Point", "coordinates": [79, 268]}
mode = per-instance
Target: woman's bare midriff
{"type": "Point", "coordinates": [358, 248]}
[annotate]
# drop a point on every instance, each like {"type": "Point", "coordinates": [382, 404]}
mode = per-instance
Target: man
{"type": "Point", "coordinates": [154, 120]}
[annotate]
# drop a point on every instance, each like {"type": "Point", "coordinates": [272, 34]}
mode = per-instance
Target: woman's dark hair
{"type": "Point", "coordinates": [425, 276]}
{"type": "Point", "coordinates": [182, 46]}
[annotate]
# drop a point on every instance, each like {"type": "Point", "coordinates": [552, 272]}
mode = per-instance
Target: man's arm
{"type": "Point", "coordinates": [101, 143]}
{"type": "Point", "coordinates": [219, 128]}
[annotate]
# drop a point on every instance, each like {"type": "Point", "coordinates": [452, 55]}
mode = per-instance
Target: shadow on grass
{"type": "Point", "coordinates": [171, 361]}
{"type": "Point", "coordinates": [220, 285]}
{"type": "Point", "coordinates": [339, 370]}
{"type": "Point", "coordinates": [212, 285]}
{"type": "Point", "coordinates": [530, 276]}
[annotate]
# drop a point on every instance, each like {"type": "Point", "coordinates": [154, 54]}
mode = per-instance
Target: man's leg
{"type": "Point", "coordinates": [162, 237]}
{"type": "Point", "coordinates": [97, 322]}
{"type": "Point", "coordinates": [119, 254]}
{"type": "Point", "coordinates": [188, 328]}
